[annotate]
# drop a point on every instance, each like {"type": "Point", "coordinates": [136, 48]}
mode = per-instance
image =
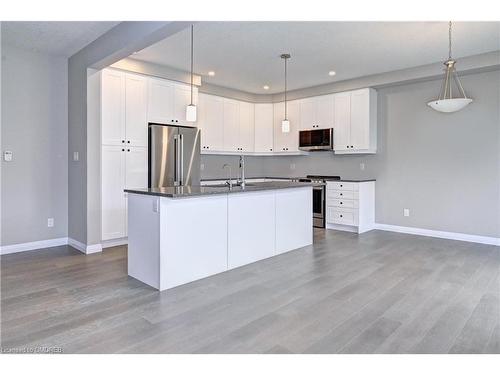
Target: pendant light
{"type": "Point", "coordinates": [446, 102]}
{"type": "Point", "coordinates": [191, 108]}
{"type": "Point", "coordinates": [285, 124]}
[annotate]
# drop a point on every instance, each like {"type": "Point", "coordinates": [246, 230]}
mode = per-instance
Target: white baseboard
{"type": "Point", "coordinates": [86, 249]}
{"type": "Point", "coordinates": [27, 246]}
{"type": "Point", "coordinates": [115, 242]}
{"type": "Point", "coordinates": [345, 228]}
{"type": "Point", "coordinates": [439, 234]}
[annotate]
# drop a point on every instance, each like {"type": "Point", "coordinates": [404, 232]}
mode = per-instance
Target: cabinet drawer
{"type": "Point", "coordinates": [342, 216]}
{"type": "Point", "coordinates": [341, 194]}
{"type": "Point", "coordinates": [343, 203]}
{"type": "Point", "coordinates": [345, 186]}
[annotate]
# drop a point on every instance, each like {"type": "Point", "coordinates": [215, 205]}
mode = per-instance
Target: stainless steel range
{"type": "Point", "coordinates": [319, 198]}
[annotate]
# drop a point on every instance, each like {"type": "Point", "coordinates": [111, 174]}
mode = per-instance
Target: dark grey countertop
{"type": "Point", "coordinates": [192, 191]}
{"type": "Point", "coordinates": [295, 178]}
{"type": "Point", "coordinates": [356, 180]}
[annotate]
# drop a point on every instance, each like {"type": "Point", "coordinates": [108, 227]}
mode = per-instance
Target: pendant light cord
{"type": "Point", "coordinates": [449, 41]}
{"type": "Point", "coordinates": [192, 42]}
{"type": "Point", "coordinates": [286, 117]}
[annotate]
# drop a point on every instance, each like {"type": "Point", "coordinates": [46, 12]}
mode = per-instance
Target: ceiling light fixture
{"type": "Point", "coordinates": [265, 87]}
{"type": "Point", "coordinates": [446, 102]}
{"type": "Point", "coordinates": [331, 73]}
{"type": "Point", "coordinates": [285, 124]}
{"type": "Point", "coordinates": [211, 73]}
{"type": "Point", "coordinates": [191, 108]}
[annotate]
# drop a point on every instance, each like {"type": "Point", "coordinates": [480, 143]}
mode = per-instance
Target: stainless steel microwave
{"type": "Point", "coordinates": [316, 139]}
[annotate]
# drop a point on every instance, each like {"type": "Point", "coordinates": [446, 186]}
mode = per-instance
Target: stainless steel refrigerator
{"type": "Point", "coordinates": [174, 155]}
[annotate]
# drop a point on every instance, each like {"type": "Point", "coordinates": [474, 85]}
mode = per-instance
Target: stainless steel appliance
{"type": "Point", "coordinates": [174, 155]}
{"type": "Point", "coordinates": [316, 140]}
{"type": "Point", "coordinates": [319, 198]}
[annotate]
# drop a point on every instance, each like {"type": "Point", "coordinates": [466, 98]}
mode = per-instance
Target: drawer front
{"type": "Point", "coordinates": [341, 194]}
{"type": "Point", "coordinates": [344, 203]}
{"type": "Point", "coordinates": [349, 186]}
{"type": "Point", "coordinates": [342, 216]}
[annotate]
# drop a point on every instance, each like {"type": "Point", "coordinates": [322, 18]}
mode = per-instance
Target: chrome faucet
{"type": "Point", "coordinates": [242, 171]}
{"type": "Point", "coordinates": [229, 182]}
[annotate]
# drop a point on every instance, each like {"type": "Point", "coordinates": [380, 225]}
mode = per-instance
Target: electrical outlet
{"type": "Point", "coordinates": [76, 156]}
{"type": "Point", "coordinates": [202, 167]}
{"type": "Point", "coordinates": [292, 166]}
{"type": "Point", "coordinates": [50, 222]}
{"type": "Point", "coordinates": [406, 212]}
{"type": "Point", "coordinates": [362, 166]}
{"type": "Point", "coordinates": [7, 155]}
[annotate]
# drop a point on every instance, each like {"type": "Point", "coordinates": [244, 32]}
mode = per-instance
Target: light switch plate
{"type": "Point", "coordinates": [7, 155]}
{"type": "Point", "coordinates": [292, 166]}
{"type": "Point", "coordinates": [76, 156]}
{"type": "Point", "coordinates": [50, 222]}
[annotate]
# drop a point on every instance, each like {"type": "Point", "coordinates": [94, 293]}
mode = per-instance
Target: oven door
{"type": "Point", "coordinates": [319, 206]}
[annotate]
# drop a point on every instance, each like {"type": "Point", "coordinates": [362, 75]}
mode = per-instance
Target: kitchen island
{"type": "Point", "coordinates": [180, 234]}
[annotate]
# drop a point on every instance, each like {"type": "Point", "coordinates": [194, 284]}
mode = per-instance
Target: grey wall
{"type": "Point", "coordinates": [35, 129]}
{"type": "Point", "coordinates": [443, 167]}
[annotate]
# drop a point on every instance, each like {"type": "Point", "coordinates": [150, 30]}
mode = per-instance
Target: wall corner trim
{"type": "Point", "coordinates": [439, 234]}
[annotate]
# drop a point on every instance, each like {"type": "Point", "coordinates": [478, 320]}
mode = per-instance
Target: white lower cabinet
{"type": "Point", "coordinates": [350, 205]}
{"type": "Point", "coordinates": [122, 168]}
{"type": "Point", "coordinates": [253, 210]}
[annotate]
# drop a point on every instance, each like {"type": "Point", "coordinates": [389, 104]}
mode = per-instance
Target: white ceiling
{"type": "Point", "coordinates": [57, 38]}
{"type": "Point", "coordinates": [245, 55]}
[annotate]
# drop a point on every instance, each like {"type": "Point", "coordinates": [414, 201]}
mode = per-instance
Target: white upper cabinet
{"type": "Point", "coordinates": [355, 129]}
{"type": "Point", "coordinates": [161, 101]}
{"type": "Point", "coordinates": [136, 104]}
{"type": "Point", "coordinates": [286, 142]}
{"type": "Point", "coordinates": [113, 106]}
{"type": "Point", "coordinates": [264, 127]}
{"type": "Point", "coordinates": [247, 127]}
{"type": "Point", "coordinates": [316, 112]}
{"type": "Point", "coordinates": [211, 122]}
{"type": "Point", "coordinates": [231, 125]}
{"type": "Point", "coordinates": [168, 102]}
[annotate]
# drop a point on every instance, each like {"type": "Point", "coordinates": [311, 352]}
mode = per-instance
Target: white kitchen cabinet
{"type": "Point", "coordinates": [211, 122]}
{"type": "Point", "coordinates": [113, 106]}
{"type": "Point", "coordinates": [231, 125]}
{"type": "Point", "coordinates": [122, 168]}
{"type": "Point", "coordinates": [168, 102]}
{"type": "Point", "coordinates": [350, 206]}
{"type": "Point", "coordinates": [317, 112]}
{"type": "Point", "coordinates": [112, 195]}
{"type": "Point", "coordinates": [286, 142]}
{"type": "Point", "coordinates": [247, 127]}
{"type": "Point", "coordinates": [136, 105]}
{"type": "Point", "coordinates": [264, 128]}
{"type": "Point", "coordinates": [355, 128]}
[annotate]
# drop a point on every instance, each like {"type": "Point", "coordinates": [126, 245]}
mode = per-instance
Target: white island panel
{"type": "Point", "coordinates": [193, 239]}
{"type": "Point", "coordinates": [294, 227]}
{"type": "Point", "coordinates": [251, 227]}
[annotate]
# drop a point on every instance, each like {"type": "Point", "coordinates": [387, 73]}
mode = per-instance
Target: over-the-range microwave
{"type": "Point", "coordinates": [316, 140]}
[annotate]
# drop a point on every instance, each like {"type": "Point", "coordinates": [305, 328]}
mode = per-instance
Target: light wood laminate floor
{"type": "Point", "coordinates": [378, 292]}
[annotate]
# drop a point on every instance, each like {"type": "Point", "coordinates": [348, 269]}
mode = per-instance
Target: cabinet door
{"type": "Point", "coordinates": [247, 127]}
{"type": "Point", "coordinates": [211, 122]}
{"type": "Point", "coordinates": [342, 123]}
{"type": "Point", "coordinates": [161, 101]}
{"type": "Point", "coordinates": [112, 102]}
{"type": "Point", "coordinates": [264, 127]}
{"type": "Point", "coordinates": [136, 168]}
{"type": "Point", "coordinates": [360, 119]}
{"type": "Point", "coordinates": [182, 98]}
{"type": "Point", "coordinates": [113, 196]}
{"type": "Point", "coordinates": [231, 125]}
{"type": "Point", "coordinates": [279, 136]}
{"type": "Point", "coordinates": [136, 107]}
{"type": "Point", "coordinates": [324, 112]}
{"type": "Point", "coordinates": [307, 114]}
{"type": "Point", "coordinates": [287, 142]}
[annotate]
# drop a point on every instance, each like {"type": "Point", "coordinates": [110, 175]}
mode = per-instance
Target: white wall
{"type": "Point", "coordinates": [35, 128]}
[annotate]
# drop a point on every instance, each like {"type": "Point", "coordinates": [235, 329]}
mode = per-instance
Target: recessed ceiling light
{"type": "Point", "coordinates": [331, 73]}
{"type": "Point", "coordinates": [211, 73]}
{"type": "Point", "coordinates": [265, 87]}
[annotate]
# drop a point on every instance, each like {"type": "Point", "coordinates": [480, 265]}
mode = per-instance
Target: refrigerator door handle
{"type": "Point", "coordinates": [176, 160]}
{"type": "Point", "coordinates": [180, 159]}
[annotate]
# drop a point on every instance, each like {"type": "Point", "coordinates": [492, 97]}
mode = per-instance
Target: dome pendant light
{"type": "Point", "coordinates": [446, 102]}
{"type": "Point", "coordinates": [191, 108]}
{"type": "Point", "coordinates": [285, 124]}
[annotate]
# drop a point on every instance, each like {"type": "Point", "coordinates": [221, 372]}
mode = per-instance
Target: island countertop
{"type": "Point", "coordinates": [200, 190]}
